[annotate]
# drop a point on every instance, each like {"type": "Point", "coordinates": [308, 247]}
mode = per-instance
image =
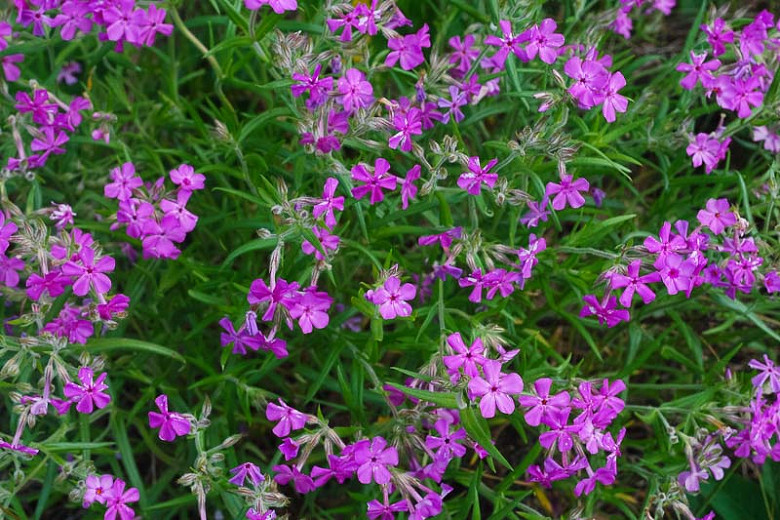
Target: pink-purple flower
{"type": "Point", "coordinates": [171, 424]}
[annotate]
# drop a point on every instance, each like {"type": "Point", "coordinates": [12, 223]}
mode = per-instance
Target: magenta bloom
{"type": "Point", "coordinates": [697, 69]}
{"type": "Point", "coordinates": [457, 100]}
{"type": "Point", "coordinates": [543, 39]}
{"type": "Point", "coordinates": [385, 510]}
{"type": "Point", "coordinates": [768, 372]}
{"type": "Point", "coordinates": [185, 177]}
{"type": "Point", "coordinates": [98, 489]}
{"type": "Point", "coordinates": [614, 102]}
{"type": "Point", "coordinates": [590, 77]}
{"type": "Point", "coordinates": [171, 424]}
{"type": "Point", "coordinates": [567, 192]}
{"type": "Point", "coordinates": [310, 309]}
{"type": "Point", "coordinates": [329, 243]}
{"type": "Point", "coordinates": [373, 182]}
{"type": "Point", "coordinates": [467, 358]}
{"type": "Point", "coordinates": [472, 180]}
{"type": "Point", "coordinates": [718, 215]}
{"type": "Point", "coordinates": [408, 189]}
{"type": "Point", "coordinates": [328, 203]}
{"type": "Point", "coordinates": [90, 273]}
{"type": "Point", "coordinates": [408, 49]}
{"type": "Point", "coordinates": [318, 88]}
{"type": "Point", "coordinates": [241, 338]}
{"type": "Point", "coordinates": [373, 459]}
{"type": "Point", "coordinates": [279, 6]}
{"type": "Point", "coordinates": [718, 35]}
{"type": "Point", "coordinates": [606, 313]}
{"type": "Point", "coordinates": [543, 406]}
{"type": "Point", "coordinates": [464, 53]}
{"type": "Point", "coordinates": [289, 418]}
{"type": "Point", "coordinates": [392, 298]}
{"type": "Point", "coordinates": [677, 273]}
{"type": "Point", "coordinates": [495, 389]}
{"type": "Point", "coordinates": [7, 228]}
{"type": "Point", "coordinates": [356, 92]}
{"type": "Point", "coordinates": [634, 283]}
{"type": "Point", "coordinates": [279, 293]}
{"type": "Point", "coordinates": [89, 394]}
{"type": "Point", "coordinates": [508, 43]}
{"type": "Point", "coordinates": [407, 124]}
{"type": "Point", "coordinates": [246, 470]}
{"type": "Point", "coordinates": [124, 182]}
{"type": "Point", "coordinates": [117, 501]}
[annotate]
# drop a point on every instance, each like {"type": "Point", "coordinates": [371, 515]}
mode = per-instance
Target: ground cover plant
{"type": "Point", "coordinates": [389, 259]}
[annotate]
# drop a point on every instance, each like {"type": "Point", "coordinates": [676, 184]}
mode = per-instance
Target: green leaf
{"type": "Point", "coordinates": [445, 400]}
{"type": "Point", "coordinates": [112, 344]}
{"type": "Point", "coordinates": [477, 428]}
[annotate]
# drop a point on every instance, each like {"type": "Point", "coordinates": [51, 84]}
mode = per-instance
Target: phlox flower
{"type": "Point", "coordinates": [186, 179]}
{"type": "Point", "coordinates": [289, 419]}
{"type": "Point", "coordinates": [328, 203]}
{"type": "Point", "coordinates": [285, 474]}
{"type": "Point", "coordinates": [246, 470]}
{"type": "Point", "coordinates": [408, 189]}
{"type": "Point", "coordinates": [707, 150]}
{"type": "Point", "coordinates": [507, 43]}
{"type": "Point", "coordinates": [697, 69]}
{"type": "Point", "coordinates": [318, 88]}
{"type": "Point", "coordinates": [614, 102]}
{"type": "Point", "coordinates": [607, 313]}
{"type": "Point", "coordinates": [542, 406]}
{"type": "Point", "coordinates": [772, 282]}
{"type": "Point", "coordinates": [464, 53]}
{"type": "Point", "coordinates": [408, 49]}
{"type": "Point", "coordinates": [117, 500]}
{"type": "Point", "coordinates": [717, 36]}
{"type": "Point", "coordinates": [717, 216]}
{"type": "Point", "coordinates": [356, 92]}
{"type": "Point", "coordinates": [90, 394]}
{"type": "Point", "coordinates": [373, 181]}
{"type": "Point", "coordinates": [567, 191]}
{"type": "Point", "coordinates": [150, 24]}
{"type": "Point", "coordinates": [393, 297]}
{"type": "Point", "coordinates": [310, 309]}
{"type": "Point", "coordinates": [543, 39]}
{"type": "Point", "coordinates": [178, 209]}
{"type": "Point", "coordinates": [279, 293]}
{"type": "Point", "coordinates": [329, 243]}
{"type": "Point", "coordinates": [770, 138]}
{"type": "Point", "coordinates": [241, 338]}
{"type": "Point", "coordinates": [677, 273]}
{"type": "Point", "coordinates": [634, 284]}
{"type": "Point", "coordinates": [457, 100]}
{"type": "Point", "coordinates": [472, 180]}
{"type": "Point", "coordinates": [373, 459]}
{"type": "Point", "coordinates": [98, 489]}
{"type": "Point", "coordinates": [279, 6]}
{"type": "Point", "coordinates": [407, 124]}
{"type": "Point", "coordinates": [68, 324]}
{"type": "Point", "coordinates": [495, 389]}
{"type": "Point", "coordinates": [590, 77]}
{"type": "Point", "coordinates": [124, 182]}
{"type": "Point", "coordinates": [467, 358]}
{"type": "Point", "coordinates": [171, 424]}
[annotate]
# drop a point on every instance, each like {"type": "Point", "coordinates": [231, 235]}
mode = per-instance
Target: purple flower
{"type": "Point", "coordinates": [464, 52]}
{"type": "Point", "coordinates": [310, 309]}
{"type": "Point", "coordinates": [740, 94]}
{"type": "Point", "coordinates": [472, 180]}
{"type": "Point", "coordinates": [697, 69]}
{"type": "Point", "coordinates": [665, 243]}
{"type": "Point", "coordinates": [246, 470]}
{"type": "Point", "coordinates": [373, 182]}
{"type": "Point", "coordinates": [677, 273]}
{"type": "Point", "coordinates": [178, 209]}
{"type": "Point", "coordinates": [150, 24]}
{"type": "Point", "coordinates": [495, 389]}
{"type": "Point", "coordinates": [98, 489]}
{"type": "Point", "coordinates": [90, 273]}
{"type": "Point", "coordinates": [89, 394]}
{"type": "Point", "coordinates": [717, 216]}
{"type": "Point", "coordinates": [281, 292]}
{"type": "Point", "coordinates": [318, 88]}
{"type": "Point", "coordinates": [124, 182]}
{"type": "Point", "coordinates": [49, 142]}
{"type": "Point", "coordinates": [508, 43]}
{"type": "Point", "coordinates": [590, 77]}
{"type": "Point", "coordinates": [614, 102]}
{"type": "Point", "coordinates": [385, 510]}
{"type": "Point", "coordinates": [185, 177]}
{"type": "Point", "coordinates": [9, 267]}
{"type": "Point", "coordinates": [717, 36]}
{"type": "Point", "coordinates": [171, 424]}
{"type": "Point", "coordinates": [355, 91]}
{"type": "Point", "coordinates": [279, 6]}
{"type": "Point", "coordinates": [560, 431]}
{"type": "Point", "coordinates": [634, 283]}
{"type": "Point", "coordinates": [284, 474]}
{"type": "Point", "coordinates": [392, 298]}
{"type": "Point", "coordinates": [241, 339]}
{"type": "Point", "coordinates": [289, 418]}
{"type": "Point", "coordinates": [606, 313]}
{"type": "Point", "coordinates": [768, 372]}
{"type": "Point", "coordinates": [328, 203]}
{"type": "Point", "coordinates": [408, 189]}
{"type": "Point", "coordinates": [408, 49]}
{"type": "Point", "coordinates": [373, 459]}
{"type": "Point", "coordinates": [467, 358]}
{"type": "Point", "coordinates": [543, 39]}
{"type": "Point", "coordinates": [329, 243]}
{"type": "Point", "coordinates": [407, 124]}
{"type": "Point", "coordinates": [117, 500]}
{"type": "Point", "coordinates": [537, 211]}
{"type": "Point", "coordinates": [72, 18]}
{"type": "Point", "coordinates": [567, 191]}
{"type": "Point", "coordinates": [457, 100]}
{"type": "Point", "coordinates": [543, 406]}
{"type": "Point", "coordinates": [68, 324]}
{"type": "Point", "coordinates": [772, 282]}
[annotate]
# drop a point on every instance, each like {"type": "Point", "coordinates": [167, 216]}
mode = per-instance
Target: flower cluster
{"type": "Point", "coordinates": [122, 21]}
{"type": "Point", "coordinates": [159, 219]}
{"type": "Point", "coordinates": [112, 493]}
{"type": "Point", "coordinates": [685, 259]}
